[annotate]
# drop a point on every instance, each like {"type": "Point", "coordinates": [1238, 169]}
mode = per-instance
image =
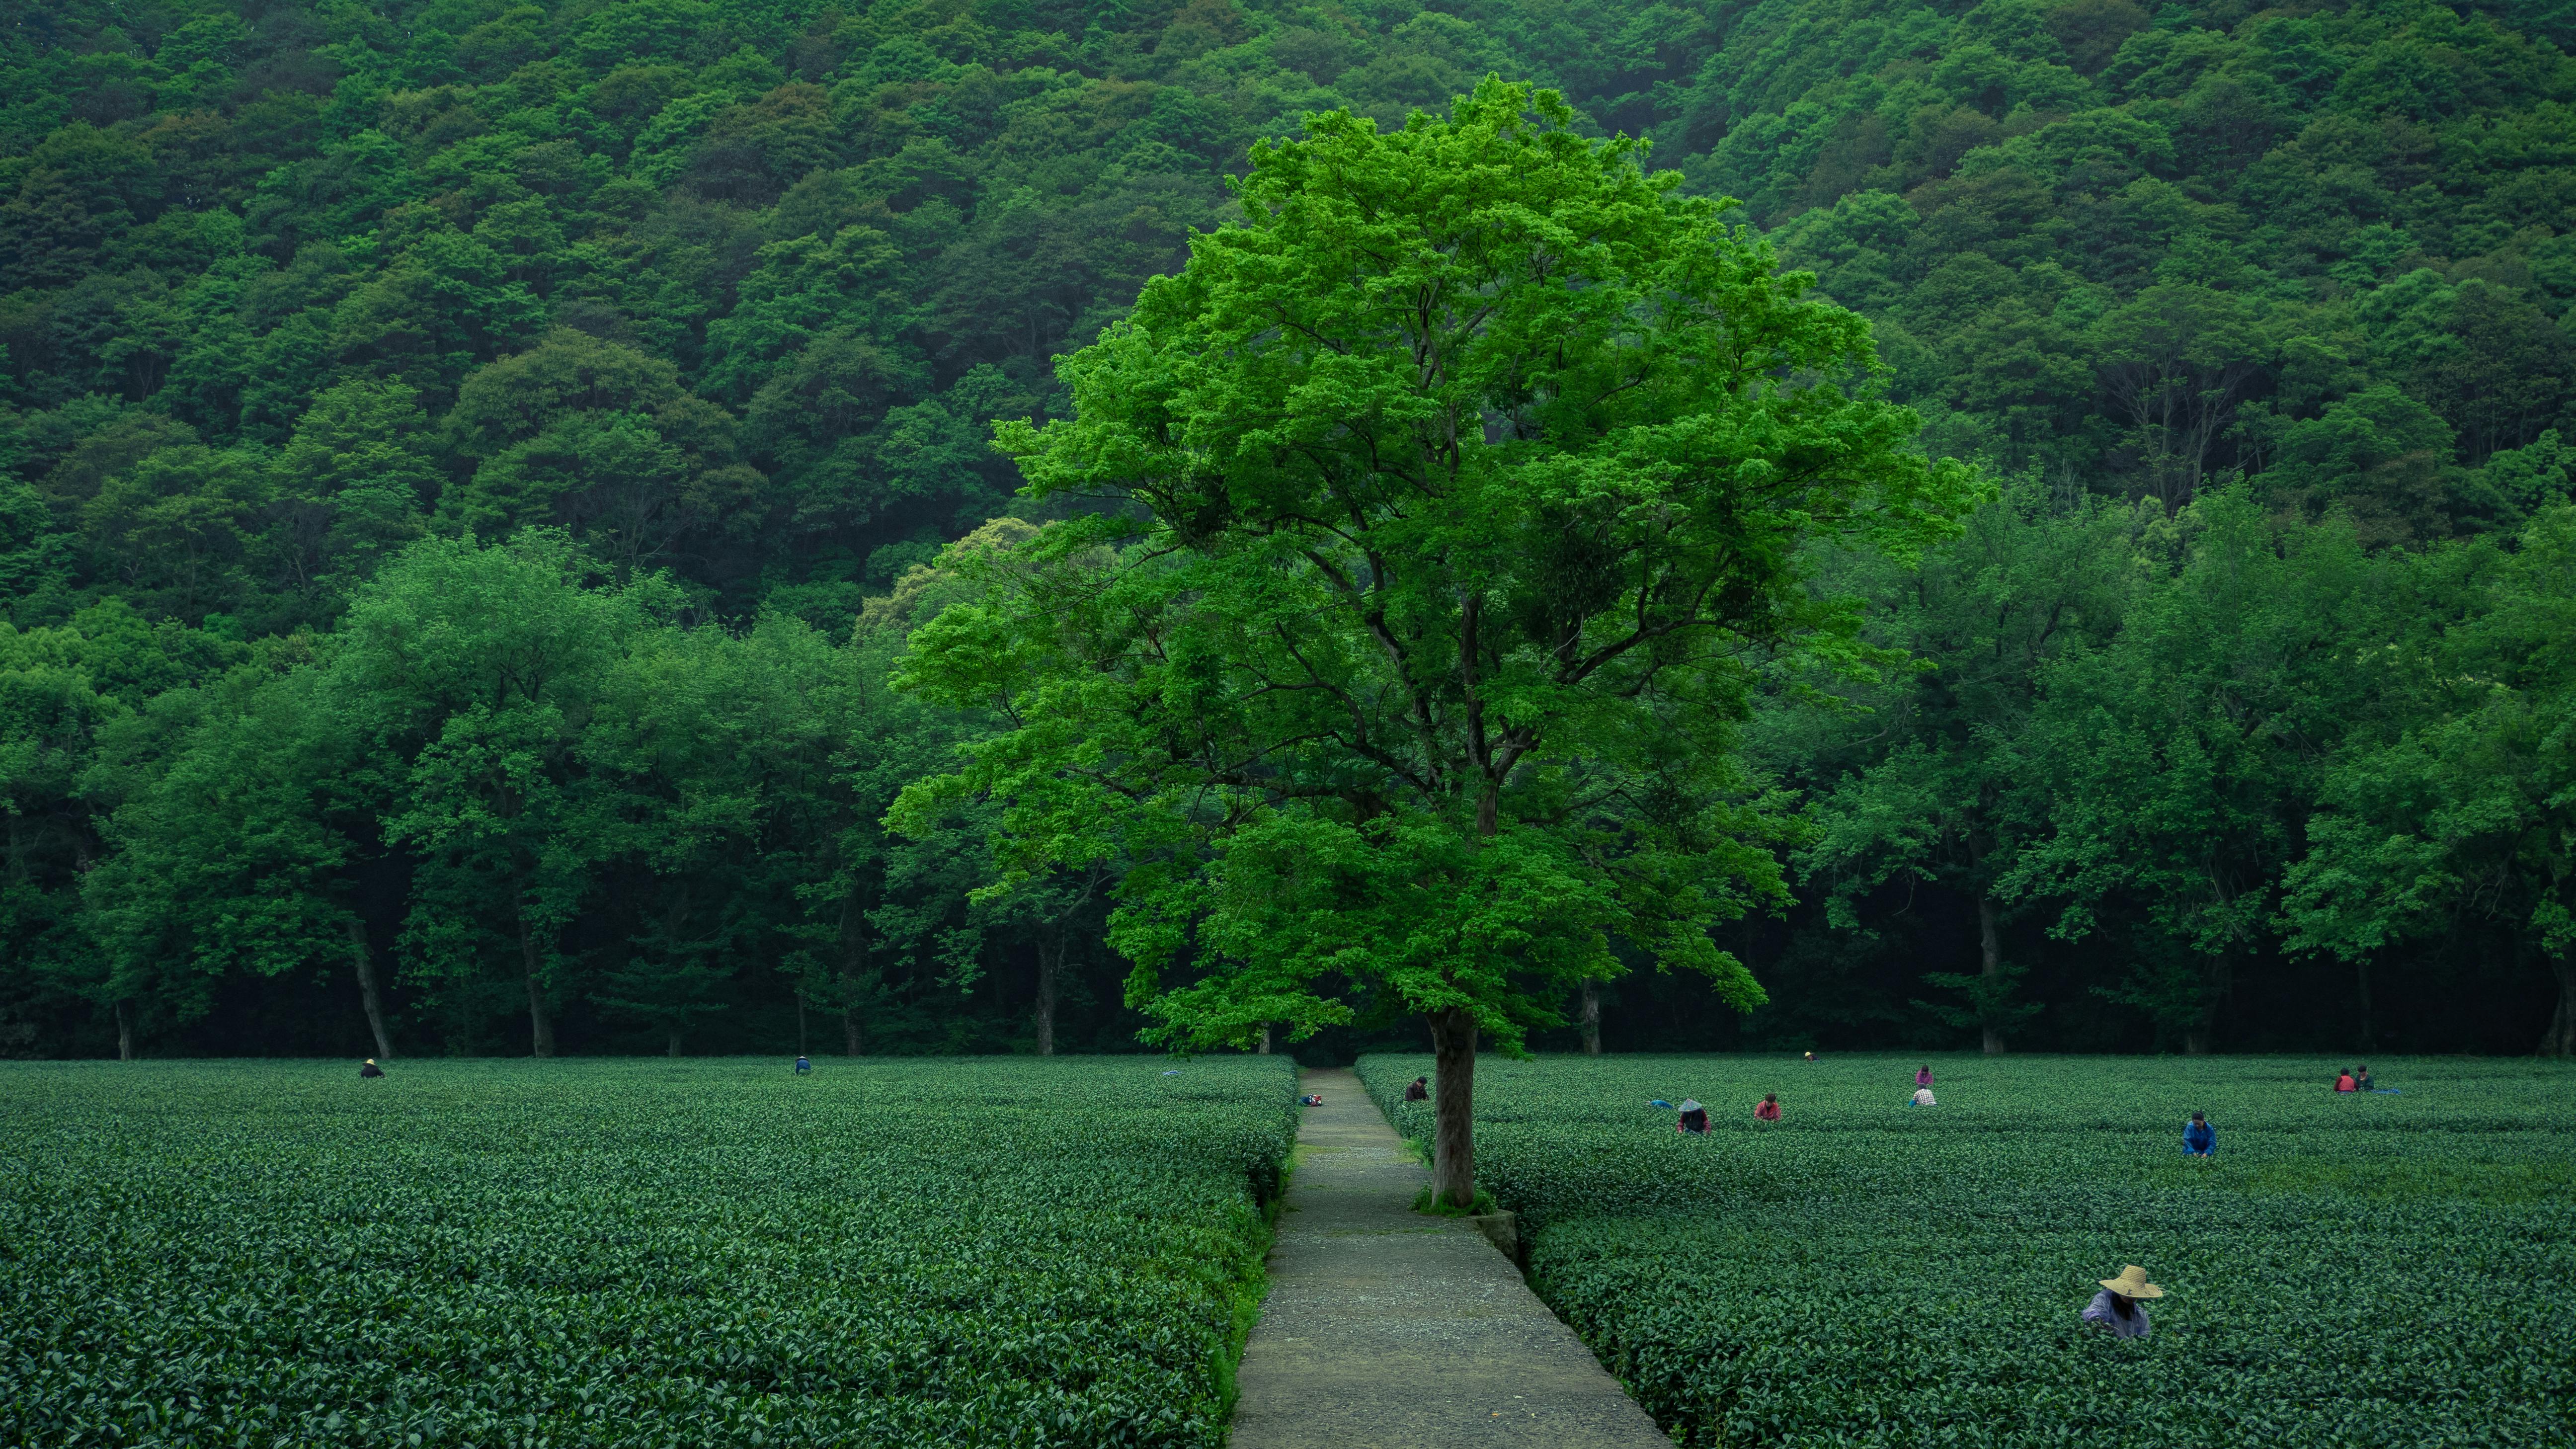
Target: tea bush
{"type": "Point", "coordinates": [514, 1253]}
{"type": "Point", "coordinates": [2390, 1269]}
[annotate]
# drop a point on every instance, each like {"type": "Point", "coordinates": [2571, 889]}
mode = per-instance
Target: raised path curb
{"type": "Point", "coordinates": [1391, 1329]}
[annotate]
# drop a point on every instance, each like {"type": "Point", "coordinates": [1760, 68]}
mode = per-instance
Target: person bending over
{"type": "Point", "coordinates": [371, 1069]}
{"type": "Point", "coordinates": [1922, 1098]}
{"type": "Point", "coordinates": [1694, 1119]}
{"type": "Point", "coordinates": [1768, 1109]}
{"type": "Point", "coordinates": [2344, 1083]}
{"type": "Point", "coordinates": [2119, 1306]}
{"type": "Point", "coordinates": [2199, 1139]}
{"type": "Point", "coordinates": [1418, 1090]}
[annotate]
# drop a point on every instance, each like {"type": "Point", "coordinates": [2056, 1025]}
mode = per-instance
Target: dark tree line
{"type": "Point", "coordinates": [470, 469]}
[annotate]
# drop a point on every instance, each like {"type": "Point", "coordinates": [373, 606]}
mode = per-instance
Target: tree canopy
{"type": "Point", "coordinates": [1464, 481]}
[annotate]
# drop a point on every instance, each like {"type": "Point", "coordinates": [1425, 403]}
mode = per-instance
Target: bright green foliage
{"type": "Point", "coordinates": [962, 1253]}
{"type": "Point", "coordinates": [2376, 1270]}
{"type": "Point", "coordinates": [1468, 466]}
{"type": "Point", "coordinates": [2464, 804]}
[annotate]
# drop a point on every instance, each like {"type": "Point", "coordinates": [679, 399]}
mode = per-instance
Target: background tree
{"type": "Point", "coordinates": [2176, 759]}
{"type": "Point", "coordinates": [2454, 817]}
{"type": "Point", "coordinates": [477, 667]}
{"type": "Point", "coordinates": [1936, 782]}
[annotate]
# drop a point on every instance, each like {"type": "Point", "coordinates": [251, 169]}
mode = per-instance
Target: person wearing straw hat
{"type": "Point", "coordinates": [2118, 1307]}
{"type": "Point", "coordinates": [1694, 1118]}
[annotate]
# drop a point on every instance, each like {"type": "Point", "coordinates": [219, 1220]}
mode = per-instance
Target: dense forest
{"type": "Point", "coordinates": [468, 470]}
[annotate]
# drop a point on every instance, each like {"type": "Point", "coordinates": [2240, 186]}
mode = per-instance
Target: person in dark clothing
{"type": "Point", "coordinates": [1419, 1090]}
{"type": "Point", "coordinates": [2361, 1080]}
{"type": "Point", "coordinates": [371, 1069]}
{"type": "Point", "coordinates": [1694, 1118]}
{"type": "Point", "coordinates": [803, 1066]}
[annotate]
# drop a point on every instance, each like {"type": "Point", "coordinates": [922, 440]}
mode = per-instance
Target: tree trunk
{"type": "Point", "coordinates": [850, 1031]}
{"type": "Point", "coordinates": [1264, 1047]}
{"type": "Point", "coordinates": [675, 1042]}
{"type": "Point", "coordinates": [2560, 1040]}
{"type": "Point", "coordinates": [1990, 958]}
{"type": "Point", "coordinates": [125, 1033]}
{"type": "Point", "coordinates": [1453, 1106]}
{"type": "Point", "coordinates": [1049, 956]}
{"type": "Point", "coordinates": [800, 1024]}
{"type": "Point", "coordinates": [2199, 1036]}
{"type": "Point", "coordinates": [541, 1031]}
{"type": "Point", "coordinates": [2361, 980]}
{"type": "Point", "coordinates": [1591, 1018]}
{"type": "Point", "coordinates": [375, 1007]}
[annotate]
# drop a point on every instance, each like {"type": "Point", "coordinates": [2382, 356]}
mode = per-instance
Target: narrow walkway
{"type": "Point", "coordinates": [1391, 1329]}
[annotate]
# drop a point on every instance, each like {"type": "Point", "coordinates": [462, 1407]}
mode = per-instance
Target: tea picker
{"type": "Point", "coordinates": [2119, 1307]}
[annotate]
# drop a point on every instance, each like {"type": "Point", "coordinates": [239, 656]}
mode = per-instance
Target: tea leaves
{"type": "Point", "coordinates": [502, 1253]}
{"type": "Point", "coordinates": [2354, 1271]}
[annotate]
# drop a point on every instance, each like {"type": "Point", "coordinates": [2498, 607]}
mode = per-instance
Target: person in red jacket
{"type": "Point", "coordinates": [2345, 1083]}
{"type": "Point", "coordinates": [1769, 1108]}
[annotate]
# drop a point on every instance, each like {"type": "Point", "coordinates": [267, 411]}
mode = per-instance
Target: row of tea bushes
{"type": "Point", "coordinates": [988, 1252]}
{"type": "Point", "coordinates": [2390, 1269]}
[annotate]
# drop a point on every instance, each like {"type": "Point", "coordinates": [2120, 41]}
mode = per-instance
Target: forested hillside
{"type": "Point", "coordinates": [471, 468]}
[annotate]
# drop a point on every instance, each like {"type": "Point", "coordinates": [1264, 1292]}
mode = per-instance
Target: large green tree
{"type": "Point", "coordinates": [1451, 494]}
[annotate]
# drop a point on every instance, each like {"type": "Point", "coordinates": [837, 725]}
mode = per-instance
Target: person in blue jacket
{"type": "Point", "coordinates": [2199, 1139]}
{"type": "Point", "coordinates": [803, 1066]}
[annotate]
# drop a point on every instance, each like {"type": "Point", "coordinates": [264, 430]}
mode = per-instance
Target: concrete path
{"type": "Point", "coordinates": [1391, 1329]}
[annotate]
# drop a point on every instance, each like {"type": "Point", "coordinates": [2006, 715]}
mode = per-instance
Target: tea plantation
{"type": "Point", "coordinates": [2390, 1269]}
{"type": "Point", "coordinates": [516, 1253]}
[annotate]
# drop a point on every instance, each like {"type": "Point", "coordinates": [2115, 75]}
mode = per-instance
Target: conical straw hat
{"type": "Point", "coordinates": [2132, 1283]}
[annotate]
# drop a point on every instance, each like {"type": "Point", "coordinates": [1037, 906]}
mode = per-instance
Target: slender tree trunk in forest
{"type": "Point", "coordinates": [1049, 956]}
{"type": "Point", "coordinates": [1453, 1106]}
{"type": "Point", "coordinates": [1264, 1047]}
{"type": "Point", "coordinates": [2361, 982]}
{"type": "Point", "coordinates": [854, 959]}
{"type": "Point", "coordinates": [1591, 1018]}
{"type": "Point", "coordinates": [365, 961]}
{"type": "Point", "coordinates": [2560, 1040]}
{"type": "Point", "coordinates": [541, 1030]}
{"type": "Point", "coordinates": [1990, 959]}
{"type": "Point", "coordinates": [675, 1042]}
{"type": "Point", "coordinates": [800, 1024]}
{"type": "Point", "coordinates": [2198, 1037]}
{"type": "Point", "coordinates": [125, 1033]}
